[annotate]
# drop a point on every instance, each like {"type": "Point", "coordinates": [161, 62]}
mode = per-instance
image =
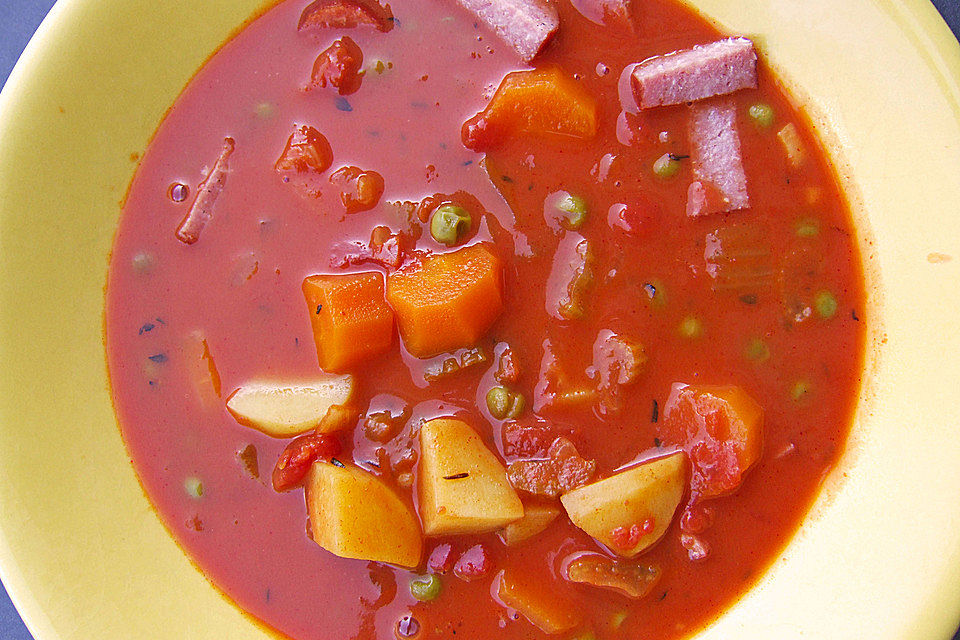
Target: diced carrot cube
{"type": "Point", "coordinates": [721, 428]}
{"type": "Point", "coordinates": [540, 102]}
{"type": "Point", "coordinates": [446, 301]}
{"type": "Point", "coordinates": [351, 320]}
{"type": "Point", "coordinates": [537, 601]}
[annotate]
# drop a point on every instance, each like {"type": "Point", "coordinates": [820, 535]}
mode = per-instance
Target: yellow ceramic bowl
{"type": "Point", "coordinates": [84, 555]}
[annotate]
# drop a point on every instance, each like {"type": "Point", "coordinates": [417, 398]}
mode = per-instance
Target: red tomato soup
{"type": "Point", "coordinates": [501, 320]}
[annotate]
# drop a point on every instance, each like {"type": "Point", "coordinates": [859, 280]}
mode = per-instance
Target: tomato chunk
{"type": "Point", "coordinates": [295, 460]}
{"type": "Point", "coordinates": [359, 190]}
{"type": "Point", "coordinates": [540, 102]}
{"type": "Point", "coordinates": [346, 14]}
{"type": "Point", "coordinates": [339, 66]}
{"type": "Point", "coordinates": [307, 150]}
{"type": "Point", "coordinates": [562, 471]}
{"type": "Point", "coordinates": [721, 428]}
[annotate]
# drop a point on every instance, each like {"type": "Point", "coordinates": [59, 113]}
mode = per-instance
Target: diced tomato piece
{"type": "Point", "coordinates": [697, 548]}
{"type": "Point", "coordinates": [307, 150]}
{"type": "Point", "coordinates": [384, 249]}
{"type": "Point", "coordinates": [339, 66]}
{"type": "Point", "coordinates": [721, 428]}
{"type": "Point", "coordinates": [539, 102]}
{"type": "Point", "coordinates": [346, 14]}
{"type": "Point", "coordinates": [628, 537]}
{"type": "Point", "coordinates": [562, 471]}
{"type": "Point", "coordinates": [474, 563]}
{"type": "Point", "coordinates": [295, 461]}
{"type": "Point", "coordinates": [527, 441]}
{"type": "Point", "coordinates": [508, 367]}
{"type": "Point", "coordinates": [442, 559]}
{"type": "Point", "coordinates": [696, 518]}
{"type": "Point", "coordinates": [359, 190]}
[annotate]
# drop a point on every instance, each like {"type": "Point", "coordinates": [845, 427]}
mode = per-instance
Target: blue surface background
{"type": "Point", "coordinates": [19, 19]}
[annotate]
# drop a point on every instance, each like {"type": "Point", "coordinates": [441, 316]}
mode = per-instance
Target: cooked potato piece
{"type": "Point", "coordinates": [536, 601]}
{"type": "Point", "coordinates": [463, 487]}
{"type": "Point", "coordinates": [630, 510]}
{"type": "Point", "coordinates": [536, 518]}
{"type": "Point", "coordinates": [287, 409]}
{"type": "Point", "coordinates": [355, 515]}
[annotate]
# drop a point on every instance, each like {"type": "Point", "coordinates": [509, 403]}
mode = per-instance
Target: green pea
{"type": "Point", "coordinates": [504, 404]}
{"type": "Point", "coordinates": [761, 114]}
{"type": "Point", "coordinates": [807, 227]}
{"type": "Point", "coordinates": [825, 304]}
{"type": "Point", "coordinates": [691, 327]}
{"type": "Point", "coordinates": [616, 620]}
{"type": "Point", "coordinates": [574, 212]}
{"type": "Point", "coordinates": [265, 110]}
{"type": "Point", "coordinates": [666, 166]}
{"type": "Point", "coordinates": [449, 224]}
{"type": "Point", "coordinates": [144, 262]}
{"type": "Point", "coordinates": [426, 588]}
{"type": "Point", "coordinates": [194, 487]}
{"type": "Point", "coordinates": [799, 389]}
{"type": "Point", "coordinates": [757, 350]}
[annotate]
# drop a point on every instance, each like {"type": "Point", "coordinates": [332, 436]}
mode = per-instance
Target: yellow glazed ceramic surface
{"type": "Point", "coordinates": [82, 552]}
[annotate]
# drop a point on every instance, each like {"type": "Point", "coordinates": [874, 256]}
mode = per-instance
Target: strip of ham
{"type": "Point", "coordinates": [525, 25]}
{"type": "Point", "coordinates": [689, 75]}
{"type": "Point", "coordinates": [201, 211]}
{"type": "Point", "coordinates": [721, 184]}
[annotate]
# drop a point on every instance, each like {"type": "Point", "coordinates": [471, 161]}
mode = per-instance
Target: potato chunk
{"type": "Point", "coordinates": [536, 518]}
{"type": "Point", "coordinates": [286, 409]}
{"type": "Point", "coordinates": [632, 509]}
{"type": "Point", "coordinates": [536, 601]}
{"type": "Point", "coordinates": [355, 515]}
{"type": "Point", "coordinates": [463, 486]}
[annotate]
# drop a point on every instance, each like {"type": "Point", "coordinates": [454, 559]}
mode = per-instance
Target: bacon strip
{"type": "Point", "coordinates": [688, 75]}
{"type": "Point", "coordinates": [721, 184]}
{"type": "Point", "coordinates": [525, 25]}
{"type": "Point", "coordinates": [201, 211]}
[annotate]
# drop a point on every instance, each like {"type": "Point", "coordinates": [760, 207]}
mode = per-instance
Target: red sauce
{"type": "Point", "coordinates": [239, 286]}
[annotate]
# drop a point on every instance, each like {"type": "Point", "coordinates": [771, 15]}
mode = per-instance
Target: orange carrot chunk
{"type": "Point", "coordinates": [446, 301]}
{"type": "Point", "coordinates": [351, 321]}
{"type": "Point", "coordinates": [540, 102]}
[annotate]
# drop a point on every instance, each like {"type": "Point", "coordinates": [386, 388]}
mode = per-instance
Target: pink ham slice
{"type": "Point", "coordinates": [721, 184]}
{"type": "Point", "coordinates": [201, 211]}
{"type": "Point", "coordinates": [704, 71]}
{"type": "Point", "coordinates": [525, 25]}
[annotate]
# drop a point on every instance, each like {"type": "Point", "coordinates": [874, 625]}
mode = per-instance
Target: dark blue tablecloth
{"type": "Point", "coordinates": [18, 20]}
